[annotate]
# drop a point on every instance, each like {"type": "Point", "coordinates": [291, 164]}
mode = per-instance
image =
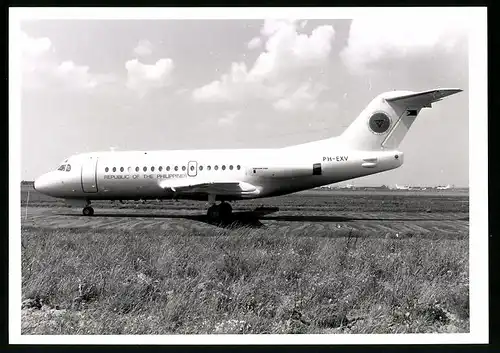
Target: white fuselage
{"type": "Point", "coordinates": [368, 146]}
{"type": "Point", "coordinates": [135, 175]}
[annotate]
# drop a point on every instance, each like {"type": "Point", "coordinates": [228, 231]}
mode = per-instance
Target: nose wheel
{"type": "Point", "coordinates": [88, 211]}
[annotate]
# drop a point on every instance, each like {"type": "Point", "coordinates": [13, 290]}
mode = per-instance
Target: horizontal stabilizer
{"type": "Point", "coordinates": [423, 99]}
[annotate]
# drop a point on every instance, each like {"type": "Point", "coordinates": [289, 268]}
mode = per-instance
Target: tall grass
{"type": "Point", "coordinates": [240, 281]}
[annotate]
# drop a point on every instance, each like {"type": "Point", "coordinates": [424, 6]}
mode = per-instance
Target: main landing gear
{"type": "Point", "coordinates": [222, 212]}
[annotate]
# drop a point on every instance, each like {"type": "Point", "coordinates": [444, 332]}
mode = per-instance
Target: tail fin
{"type": "Point", "coordinates": [385, 121]}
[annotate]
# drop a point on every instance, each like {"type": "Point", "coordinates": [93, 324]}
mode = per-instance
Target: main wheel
{"type": "Point", "coordinates": [213, 212]}
{"type": "Point", "coordinates": [88, 211]}
{"type": "Point", "coordinates": [226, 211]}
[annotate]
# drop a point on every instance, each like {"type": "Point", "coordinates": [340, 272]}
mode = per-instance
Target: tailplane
{"type": "Point", "coordinates": [385, 121]}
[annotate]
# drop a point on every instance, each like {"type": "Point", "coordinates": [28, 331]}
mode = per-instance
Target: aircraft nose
{"type": "Point", "coordinates": [44, 184]}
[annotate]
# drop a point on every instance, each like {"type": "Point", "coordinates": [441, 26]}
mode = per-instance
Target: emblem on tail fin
{"type": "Point", "coordinates": [379, 123]}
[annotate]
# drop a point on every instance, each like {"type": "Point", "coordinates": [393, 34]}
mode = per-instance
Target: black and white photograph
{"type": "Point", "coordinates": [248, 177]}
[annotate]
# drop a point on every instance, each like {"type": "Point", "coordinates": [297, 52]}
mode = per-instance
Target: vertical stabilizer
{"type": "Point", "coordinates": [385, 121]}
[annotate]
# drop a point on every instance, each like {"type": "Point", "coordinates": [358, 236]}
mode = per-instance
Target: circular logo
{"type": "Point", "coordinates": [379, 123]}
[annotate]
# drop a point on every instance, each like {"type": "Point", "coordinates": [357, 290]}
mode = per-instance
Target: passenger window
{"type": "Point", "coordinates": [223, 167]}
{"type": "Point", "coordinates": [68, 167]}
{"type": "Point", "coordinates": [176, 168]}
{"type": "Point", "coordinates": [209, 167]}
{"type": "Point", "coordinates": [106, 169]}
{"type": "Point", "coordinates": [183, 168]}
{"type": "Point", "coordinates": [152, 169]}
{"type": "Point", "coordinates": [114, 169]}
{"type": "Point", "coordinates": [168, 168]}
{"type": "Point", "coordinates": [136, 169]}
{"type": "Point", "coordinates": [145, 169]}
{"type": "Point", "coordinates": [201, 167]}
{"type": "Point", "coordinates": [160, 168]}
{"type": "Point", "coordinates": [121, 169]}
{"type": "Point", "coordinates": [216, 167]}
{"type": "Point", "coordinates": [129, 169]}
{"type": "Point", "coordinates": [230, 167]}
{"type": "Point", "coordinates": [192, 168]}
{"type": "Point", "coordinates": [238, 167]}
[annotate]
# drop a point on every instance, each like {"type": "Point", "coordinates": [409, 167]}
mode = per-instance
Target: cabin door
{"type": "Point", "coordinates": [89, 174]}
{"type": "Point", "coordinates": [192, 168]}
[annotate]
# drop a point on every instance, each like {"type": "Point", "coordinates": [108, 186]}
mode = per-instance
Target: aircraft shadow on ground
{"type": "Point", "coordinates": [253, 218]}
{"type": "Point", "coordinates": [240, 219]}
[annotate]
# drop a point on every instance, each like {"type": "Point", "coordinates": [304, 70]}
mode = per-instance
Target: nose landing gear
{"type": "Point", "coordinates": [88, 211]}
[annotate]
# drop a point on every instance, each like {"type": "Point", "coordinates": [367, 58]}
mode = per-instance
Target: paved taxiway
{"type": "Point", "coordinates": [449, 225]}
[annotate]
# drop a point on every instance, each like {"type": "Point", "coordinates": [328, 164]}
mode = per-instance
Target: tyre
{"type": "Point", "coordinates": [225, 211]}
{"type": "Point", "coordinates": [213, 213]}
{"type": "Point", "coordinates": [88, 211]}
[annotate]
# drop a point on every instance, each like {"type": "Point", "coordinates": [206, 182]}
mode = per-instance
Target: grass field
{"type": "Point", "coordinates": [334, 262]}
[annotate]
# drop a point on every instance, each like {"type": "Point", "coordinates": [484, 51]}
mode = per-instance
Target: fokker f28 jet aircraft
{"type": "Point", "coordinates": [368, 146]}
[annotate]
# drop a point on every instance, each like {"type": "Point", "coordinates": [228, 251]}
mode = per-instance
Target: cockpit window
{"type": "Point", "coordinates": [62, 167]}
{"type": "Point", "coordinates": [68, 167]}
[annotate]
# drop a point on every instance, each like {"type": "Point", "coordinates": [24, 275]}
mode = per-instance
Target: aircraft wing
{"type": "Point", "coordinates": [209, 187]}
{"type": "Point", "coordinates": [423, 99]}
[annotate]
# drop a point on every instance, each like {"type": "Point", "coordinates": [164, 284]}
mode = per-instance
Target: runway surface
{"type": "Point", "coordinates": [447, 225]}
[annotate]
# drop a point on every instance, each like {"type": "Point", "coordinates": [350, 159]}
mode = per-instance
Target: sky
{"type": "Point", "coordinates": [92, 85]}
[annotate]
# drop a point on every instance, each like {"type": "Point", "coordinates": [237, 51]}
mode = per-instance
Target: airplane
{"type": "Point", "coordinates": [347, 186]}
{"type": "Point", "coordinates": [369, 145]}
{"type": "Point", "coordinates": [405, 187]}
{"type": "Point", "coordinates": [443, 187]}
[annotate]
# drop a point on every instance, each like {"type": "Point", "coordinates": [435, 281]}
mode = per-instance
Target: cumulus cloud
{"type": "Point", "coordinates": [254, 43]}
{"type": "Point", "coordinates": [304, 98]}
{"type": "Point", "coordinates": [34, 47]}
{"type": "Point", "coordinates": [142, 77]}
{"type": "Point", "coordinates": [42, 67]}
{"type": "Point", "coordinates": [144, 48]}
{"type": "Point", "coordinates": [75, 75]}
{"type": "Point", "coordinates": [228, 118]}
{"type": "Point", "coordinates": [278, 72]}
{"type": "Point", "coordinates": [35, 54]}
{"type": "Point", "coordinates": [376, 39]}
